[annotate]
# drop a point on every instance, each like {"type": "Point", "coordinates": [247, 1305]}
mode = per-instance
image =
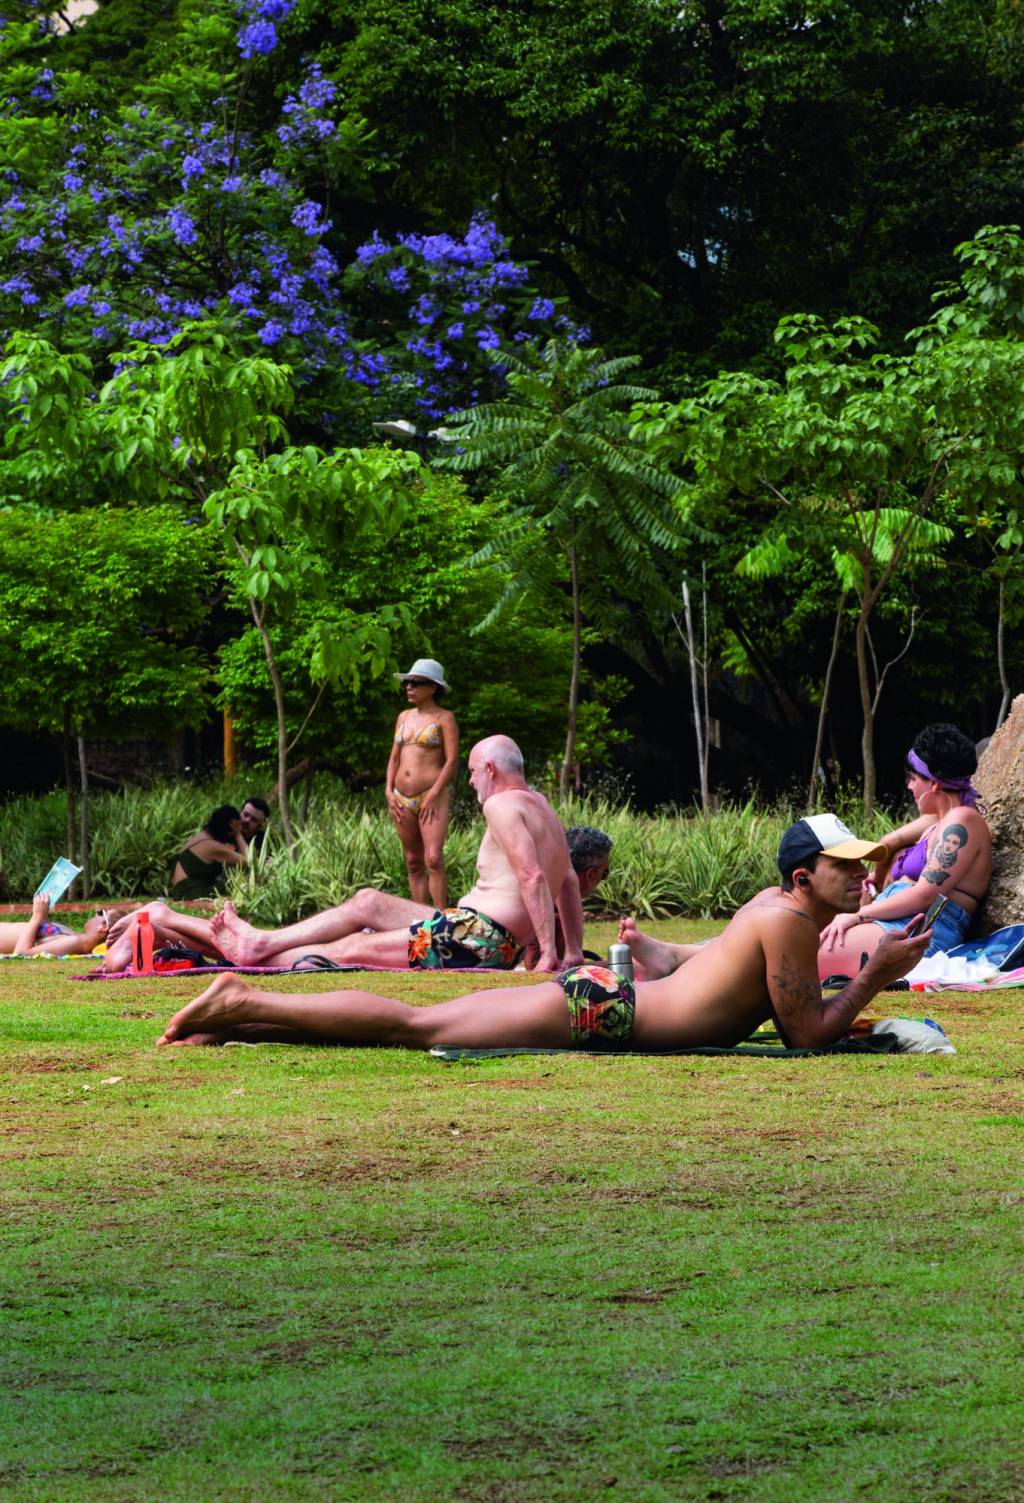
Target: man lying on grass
{"type": "Point", "coordinates": [589, 856]}
{"type": "Point", "coordinates": [657, 958]}
{"type": "Point", "coordinates": [765, 964]}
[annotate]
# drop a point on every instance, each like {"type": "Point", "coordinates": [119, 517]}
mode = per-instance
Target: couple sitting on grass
{"type": "Point", "coordinates": [764, 964]}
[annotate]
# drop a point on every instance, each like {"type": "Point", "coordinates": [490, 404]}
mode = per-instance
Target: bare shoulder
{"type": "Point", "coordinates": [779, 931]}
{"type": "Point", "coordinates": [770, 908]}
{"type": "Point", "coordinates": [522, 806]}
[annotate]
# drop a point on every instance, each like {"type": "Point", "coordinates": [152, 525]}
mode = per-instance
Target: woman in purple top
{"type": "Point", "coordinates": [907, 850]}
{"type": "Point", "coordinates": [946, 852]}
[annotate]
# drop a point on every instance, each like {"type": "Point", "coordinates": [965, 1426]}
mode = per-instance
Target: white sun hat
{"type": "Point", "coordinates": [425, 668]}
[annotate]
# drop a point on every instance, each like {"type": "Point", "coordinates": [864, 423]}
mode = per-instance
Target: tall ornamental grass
{"type": "Point", "coordinates": [673, 862]}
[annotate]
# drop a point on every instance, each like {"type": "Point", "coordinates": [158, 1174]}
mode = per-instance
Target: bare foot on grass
{"type": "Point", "coordinates": [653, 956]}
{"type": "Point", "coordinates": [209, 1018]}
{"type": "Point", "coordinates": [237, 940]}
{"type": "Point", "coordinates": [206, 1040]}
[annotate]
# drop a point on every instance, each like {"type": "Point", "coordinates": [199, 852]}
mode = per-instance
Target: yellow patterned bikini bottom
{"type": "Point", "coordinates": [411, 803]}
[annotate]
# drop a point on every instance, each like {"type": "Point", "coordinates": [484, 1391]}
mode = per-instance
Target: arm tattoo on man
{"type": "Point", "coordinates": [798, 992]}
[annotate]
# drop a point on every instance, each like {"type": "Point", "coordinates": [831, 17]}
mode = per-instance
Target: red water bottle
{"type": "Point", "coordinates": [143, 957]}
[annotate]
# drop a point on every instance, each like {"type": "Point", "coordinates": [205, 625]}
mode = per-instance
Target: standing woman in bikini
{"type": "Point", "coordinates": [421, 769]}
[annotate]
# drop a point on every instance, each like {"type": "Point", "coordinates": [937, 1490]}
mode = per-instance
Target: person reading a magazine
{"type": "Point", "coordinates": [41, 935]}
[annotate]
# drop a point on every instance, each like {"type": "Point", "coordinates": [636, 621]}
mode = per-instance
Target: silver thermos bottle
{"type": "Point", "coordinates": [620, 960]}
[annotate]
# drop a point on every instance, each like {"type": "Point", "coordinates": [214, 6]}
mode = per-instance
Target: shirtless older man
{"type": "Point", "coordinates": [763, 965]}
{"type": "Point", "coordinates": [523, 875]}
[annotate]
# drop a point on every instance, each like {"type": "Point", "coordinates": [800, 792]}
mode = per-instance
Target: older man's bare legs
{"type": "Point", "coordinates": [531, 1016]}
{"type": "Point", "coordinates": [169, 928]}
{"type": "Point", "coordinates": [369, 908]}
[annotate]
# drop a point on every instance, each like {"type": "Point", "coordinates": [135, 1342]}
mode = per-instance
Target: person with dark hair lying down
{"type": "Point", "coordinates": [763, 966]}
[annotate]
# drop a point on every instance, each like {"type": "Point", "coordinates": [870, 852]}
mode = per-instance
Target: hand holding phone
{"type": "Point", "coordinates": [935, 910]}
{"type": "Point", "coordinates": [915, 925]}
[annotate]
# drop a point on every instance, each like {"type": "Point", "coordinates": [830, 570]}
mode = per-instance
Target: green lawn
{"type": "Point", "coordinates": [284, 1273]}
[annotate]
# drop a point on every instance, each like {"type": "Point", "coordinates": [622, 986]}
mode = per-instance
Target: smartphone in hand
{"type": "Point", "coordinates": [915, 925]}
{"type": "Point", "coordinates": [935, 910]}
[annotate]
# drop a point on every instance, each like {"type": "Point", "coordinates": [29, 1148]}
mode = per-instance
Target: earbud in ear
{"type": "Point", "coordinates": [802, 881]}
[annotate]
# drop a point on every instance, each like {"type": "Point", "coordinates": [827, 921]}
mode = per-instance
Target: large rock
{"type": "Point", "coordinates": [1000, 779]}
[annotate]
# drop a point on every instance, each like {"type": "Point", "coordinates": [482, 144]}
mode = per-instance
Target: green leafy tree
{"type": "Point", "coordinates": [278, 513]}
{"type": "Point", "coordinates": [584, 497]}
{"type": "Point", "coordinates": [861, 453]}
{"type": "Point", "coordinates": [97, 609]}
{"type": "Point", "coordinates": [193, 420]}
{"type": "Point", "coordinates": [688, 174]}
{"type": "Point", "coordinates": [505, 677]}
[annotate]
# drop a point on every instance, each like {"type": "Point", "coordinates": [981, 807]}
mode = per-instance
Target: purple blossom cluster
{"type": "Point", "coordinates": [258, 33]}
{"type": "Point", "coordinates": [307, 121]}
{"type": "Point", "coordinates": [462, 299]}
{"type": "Point", "coordinates": [143, 222]}
{"type": "Point", "coordinates": [155, 222]}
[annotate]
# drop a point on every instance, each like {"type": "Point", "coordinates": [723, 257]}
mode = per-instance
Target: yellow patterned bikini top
{"type": "Point", "coordinates": [430, 735]}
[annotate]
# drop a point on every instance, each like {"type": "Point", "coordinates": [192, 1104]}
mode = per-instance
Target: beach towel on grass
{"type": "Point", "coordinates": [893, 1036]}
{"type": "Point", "coordinates": [280, 970]}
{"type": "Point", "coordinates": [994, 960]}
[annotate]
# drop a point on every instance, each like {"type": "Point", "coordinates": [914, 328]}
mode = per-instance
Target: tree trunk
{"type": "Point", "coordinates": [282, 728]}
{"type": "Point", "coordinates": [698, 722]}
{"type": "Point", "coordinates": [84, 814]}
{"type": "Point", "coordinates": [867, 740]}
{"type": "Point", "coordinates": [1001, 656]}
{"type": "Point", "coordinates": [574, 681]}
{"type": "Point", "coordinates": [71, 797]}
{"type": "Point", "coordinates": [823, 710]}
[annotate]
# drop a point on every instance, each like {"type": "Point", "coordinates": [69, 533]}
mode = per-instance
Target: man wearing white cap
{"type": "Point", "coordinates": [764, 965]}
{"type": "Point", "coordinates": [524, 875]}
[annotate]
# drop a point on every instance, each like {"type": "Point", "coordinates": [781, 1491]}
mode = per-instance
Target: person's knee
{"type": "Point", "coordinates": [364, 902]}
{"type": "Point", "coordinates": [435, 864]}
{"type": "Point", "coordinates": [417, 1029]}
{"type": "Point", "coordinates": [414, 864]}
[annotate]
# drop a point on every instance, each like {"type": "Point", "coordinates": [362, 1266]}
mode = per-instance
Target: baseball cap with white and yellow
{"type": "Point", "coordinates": [823, 835]}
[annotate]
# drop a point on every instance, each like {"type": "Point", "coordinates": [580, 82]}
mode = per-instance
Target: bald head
{"type": "Point", "coordinates": [502, 753]}
{"type": "Point", "coordinates": [496, 763]}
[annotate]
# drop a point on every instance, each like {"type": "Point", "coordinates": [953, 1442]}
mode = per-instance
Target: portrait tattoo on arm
{"type": "Point", "coordinates": [951, 842]}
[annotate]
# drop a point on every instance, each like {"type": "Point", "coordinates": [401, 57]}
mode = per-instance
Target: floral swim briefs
{"type": "Point", "coordinates": [458, 939]}
{"type": "Point", "coordinates": [602, 1007]}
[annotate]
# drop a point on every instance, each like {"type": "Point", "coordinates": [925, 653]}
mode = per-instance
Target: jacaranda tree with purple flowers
{"type": "Point", "coordinates": [126, 219]}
